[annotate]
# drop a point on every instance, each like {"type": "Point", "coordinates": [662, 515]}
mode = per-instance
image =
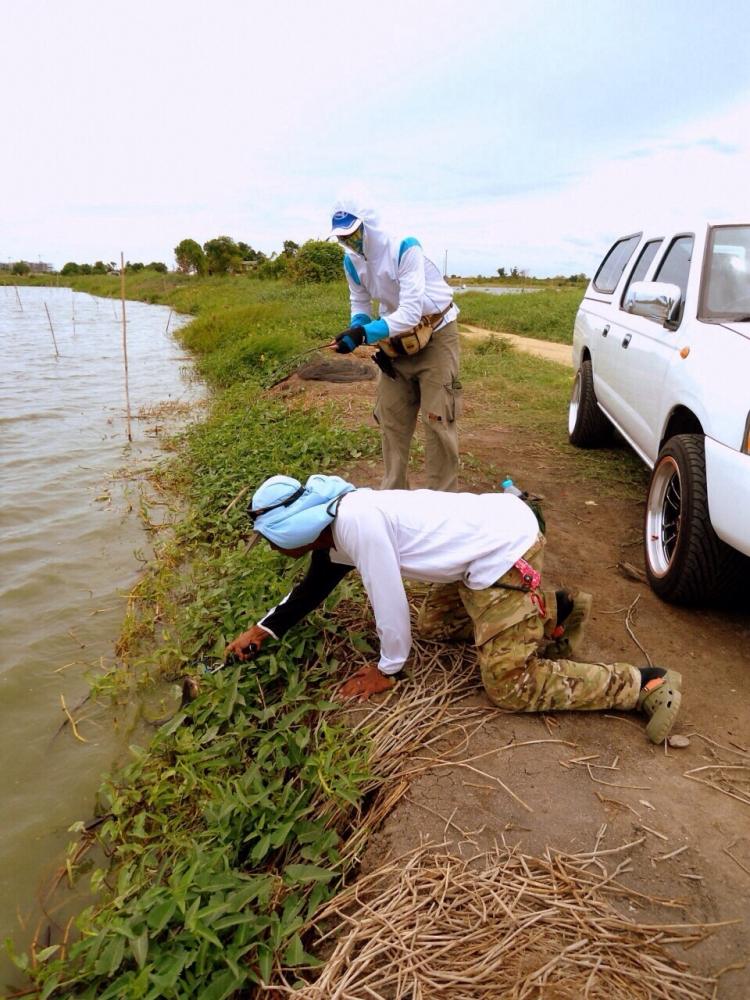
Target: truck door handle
{"type": "Point", "coordinates": [626, 339]}
{"type": "Point", "coordinates": [605, 331]}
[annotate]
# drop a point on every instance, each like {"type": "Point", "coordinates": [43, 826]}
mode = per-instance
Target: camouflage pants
{"type": "Point", "coordinates": [508, 629]}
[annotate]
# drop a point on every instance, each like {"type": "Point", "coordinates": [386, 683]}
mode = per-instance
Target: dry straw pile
{"type": "Point", "coordinates": [503, 926]}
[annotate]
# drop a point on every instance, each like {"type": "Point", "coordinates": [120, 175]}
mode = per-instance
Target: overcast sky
{"type": "Point", "coordinates": [507, 134]}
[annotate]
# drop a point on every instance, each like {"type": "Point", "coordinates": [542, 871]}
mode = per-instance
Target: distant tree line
{"type": "Point", "coordinates": [314, 261]}
{"type": "Point", "coordinates": [519, 274]}
{"type": "Point", "coordinates": [111, 268]}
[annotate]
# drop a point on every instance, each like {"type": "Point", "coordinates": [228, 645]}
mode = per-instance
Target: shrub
{"type": "Point", "coordinates": [317, 261]}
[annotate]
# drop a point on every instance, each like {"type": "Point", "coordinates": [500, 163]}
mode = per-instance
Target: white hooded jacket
{"type": "Point", "coordinates": [396, 272]}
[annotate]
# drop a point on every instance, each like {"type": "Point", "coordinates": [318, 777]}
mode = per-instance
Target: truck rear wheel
{"type": "Point", "coordinates": [686, 561]}
{"type": "Point", "coordinates": [587, 425]}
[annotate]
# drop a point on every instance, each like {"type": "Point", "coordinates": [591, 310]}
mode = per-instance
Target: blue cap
{"type": "Point", "coordinates": [344, 223]}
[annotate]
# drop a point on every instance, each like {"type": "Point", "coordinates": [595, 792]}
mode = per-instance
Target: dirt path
{"type": "Point", "coordinates": [638, 792]}
{"type": "Point", "coordinates": [561, 353]}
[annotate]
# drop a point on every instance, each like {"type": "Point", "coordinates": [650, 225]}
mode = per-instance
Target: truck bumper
{"type": "Point", "coordinates": [728, 484]}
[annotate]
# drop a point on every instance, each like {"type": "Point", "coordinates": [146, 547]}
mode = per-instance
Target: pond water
{"type": "Point", "coordinates": [72, 548]}
{"type": "Point", "coordinates": [495, 289]}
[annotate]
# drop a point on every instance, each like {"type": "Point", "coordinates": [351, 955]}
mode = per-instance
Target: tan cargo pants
{"type": "Point", "coordinates": [508, 630]}
{"type": "Point", "coordinates": [427, 381]}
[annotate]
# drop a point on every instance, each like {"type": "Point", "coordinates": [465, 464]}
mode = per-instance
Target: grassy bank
{"type": "Point", "coordinates": [543, 315]}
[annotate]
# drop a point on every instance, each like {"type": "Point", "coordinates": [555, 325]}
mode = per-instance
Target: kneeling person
{"type": "Point", "coordinates": [483, 554]}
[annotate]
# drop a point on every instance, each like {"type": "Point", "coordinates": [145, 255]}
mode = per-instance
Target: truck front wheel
{"type": "Point", "coordinates": [686, 562]}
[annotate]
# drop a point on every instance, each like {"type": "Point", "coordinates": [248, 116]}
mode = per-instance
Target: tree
{"type": "Point", "coordinates": [99, 267]}
{"type": "Point", "coordinates": [157, 265]}
{"type": "Point", "coordinates": [248, 254]}
{"type": "Point", "coordinates": [223, 256]}
{"type": "Point", "coordinates": [317, 261]}
{"type": "Point", "coordinates": [501, 272]}
{"type": "Point", "coordinates": [290, 248]}
{"type": "Point", "coordinates": [190, 257]}
{"type": "Point", "coordinates": [20, 267]}
{"type": "Point", "coordinates": [70, 268]}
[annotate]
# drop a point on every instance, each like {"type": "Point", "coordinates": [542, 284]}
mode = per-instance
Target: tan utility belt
{"type": "Point", "coordinates": [414, 340]}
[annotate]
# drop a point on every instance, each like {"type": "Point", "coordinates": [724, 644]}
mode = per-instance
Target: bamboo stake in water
{"type": "Point", "coordinates": [52, 331]}
{"type": "Point", "coordinates": [15, 288]}
{"type": "Point", "coordinates": [169, 318]}
{"type": "Point", "coordinates": [125, 341]}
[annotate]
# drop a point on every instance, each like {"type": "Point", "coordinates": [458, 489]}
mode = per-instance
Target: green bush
{"type": "Point", "coordinates": [317, 261]}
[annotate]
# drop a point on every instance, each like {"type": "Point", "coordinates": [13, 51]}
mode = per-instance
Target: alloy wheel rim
{"type": "Point", "coordinates": [575, 402]}
{"type": "Point", "coordinates": [663, 516]}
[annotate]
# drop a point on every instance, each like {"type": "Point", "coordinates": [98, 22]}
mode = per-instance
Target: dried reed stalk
{"type": "Point", "coordinates": [730, 779]}
{"type": "Point", "coordinates": [52, 330]}
{"type": "Point", "coordinates": [422, 713]}
{"type": "Point", "coordinates": [501, 925]}
{"type": "Point", "coordinates": [125, 343]}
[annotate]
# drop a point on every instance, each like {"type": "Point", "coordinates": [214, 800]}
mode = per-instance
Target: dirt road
{"type": "Point", "coordinates": [691, 841]}
{"type": "Point", "coordinates": [559, 353]}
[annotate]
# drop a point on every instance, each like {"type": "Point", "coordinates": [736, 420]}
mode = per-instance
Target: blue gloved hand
{"type": "Point", "coordinates": [375, 331]}
{"type": "Point", "coordinates": [350, 339]}
{"type": "Point", "coordinates": [360, 319]}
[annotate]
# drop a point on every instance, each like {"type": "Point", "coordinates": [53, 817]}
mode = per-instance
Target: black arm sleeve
{"type": "Point", "coordinates": [321, 577]}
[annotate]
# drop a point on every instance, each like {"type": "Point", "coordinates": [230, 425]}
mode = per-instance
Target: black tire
{"type": "Point", "coordinates": [587, 425]}
{"type": "Point", "coordinates": [686, 561]}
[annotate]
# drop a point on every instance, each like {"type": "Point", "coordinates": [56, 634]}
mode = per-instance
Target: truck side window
{"type": "Point", "coordinates": [675, 267]}
{"type": "Point", "coordinates": [641, 265]}
{"type": "Point", "coordinates": [611, 268]}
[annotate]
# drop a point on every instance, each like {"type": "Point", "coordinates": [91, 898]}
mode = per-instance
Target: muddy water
{"type": "Point", "coordinates": [71, 542]}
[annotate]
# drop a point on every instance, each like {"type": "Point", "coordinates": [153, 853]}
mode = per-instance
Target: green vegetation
{"type": "Point", "coordinates": [111, 268]}
{"type": "Point", "coordinates": [314, 261]}
{"type": "Point", "coordinates": [544, 315]}
{"type": "Point", "coordinates": [518, 390]}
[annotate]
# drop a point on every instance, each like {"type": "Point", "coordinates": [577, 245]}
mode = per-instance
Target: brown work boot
{"type": "Point", "coordinates": [569, 630]}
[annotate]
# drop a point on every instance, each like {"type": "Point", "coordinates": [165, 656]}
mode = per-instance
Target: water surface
{"type": "Point", "coordinates": [71, 536]}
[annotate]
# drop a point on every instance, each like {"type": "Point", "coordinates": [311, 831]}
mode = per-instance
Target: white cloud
{"type": "Point", "coordinates": [696, 173]}
{"type": "Point", "coordinates": [494, 136]}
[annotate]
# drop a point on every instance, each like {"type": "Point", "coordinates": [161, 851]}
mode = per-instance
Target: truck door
{"type": "Point", "coordinates": [646, 350]}
{"type": "Point", "coordinates": [599, 313]}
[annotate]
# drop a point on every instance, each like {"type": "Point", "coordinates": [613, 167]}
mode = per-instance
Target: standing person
{"type": "Point", "coordinates": [416, 311]}
{"type": "Point", "coordinates": [484, 555]}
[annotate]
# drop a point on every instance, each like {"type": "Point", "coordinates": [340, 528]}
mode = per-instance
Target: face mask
{"type": "Point", "coordinates": [354, 241]}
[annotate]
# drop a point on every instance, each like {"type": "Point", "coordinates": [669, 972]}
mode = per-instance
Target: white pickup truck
{"type": "Point", "coordinates": [661, 350]}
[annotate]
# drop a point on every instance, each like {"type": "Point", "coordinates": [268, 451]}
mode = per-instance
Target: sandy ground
{"type": "Point", "coordinates": [560, 353]}
{"type": "Point", "coordinates": [590, 531]}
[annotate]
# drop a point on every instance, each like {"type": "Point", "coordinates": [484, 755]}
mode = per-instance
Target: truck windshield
{"type": "Point", "coordinates": [726, 276]}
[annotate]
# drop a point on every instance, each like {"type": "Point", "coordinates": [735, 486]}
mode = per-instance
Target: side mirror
{"type": "Point", "coordinates": [659, 301]}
